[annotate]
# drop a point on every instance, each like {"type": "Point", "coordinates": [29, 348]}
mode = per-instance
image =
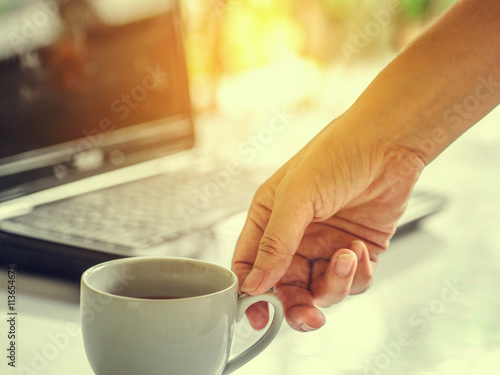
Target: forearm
{"type": "Point", "coordinates": [441, 84]}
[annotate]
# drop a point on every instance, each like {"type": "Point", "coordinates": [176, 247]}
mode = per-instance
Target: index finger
{"type": "Point", "coordinates": [255, 225]}
{"type": "Point", "coordinates": [291, 213]}
{"type": "Point", "coordinates": [248, 243]}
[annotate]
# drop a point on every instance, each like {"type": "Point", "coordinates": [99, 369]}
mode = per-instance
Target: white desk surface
{"type": "Point", "coordinates": [409, 303]}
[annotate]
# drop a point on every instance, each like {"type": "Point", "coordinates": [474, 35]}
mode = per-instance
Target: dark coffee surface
{"type": "Point", "coordinates": [160, 297]}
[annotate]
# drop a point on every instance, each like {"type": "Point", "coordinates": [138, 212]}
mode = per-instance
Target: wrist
{"type": "Point", "coordinates": [393, 131]}
{"type": "Point", "coordinates": [436, 88]}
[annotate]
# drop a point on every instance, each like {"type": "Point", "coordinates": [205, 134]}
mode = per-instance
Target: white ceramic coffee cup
{"type": "Point", "coordinates": [127, 334]}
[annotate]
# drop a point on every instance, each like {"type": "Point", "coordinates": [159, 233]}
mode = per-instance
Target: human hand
{"type": "Point", "coordinates": [316, 228]}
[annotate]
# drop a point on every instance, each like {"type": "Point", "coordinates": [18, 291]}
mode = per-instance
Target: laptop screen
{"type": "Point", "coordinates": [87, 86]}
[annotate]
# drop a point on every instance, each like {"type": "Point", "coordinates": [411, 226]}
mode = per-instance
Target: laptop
{"type": "Point", "coordinates": [97, 141]}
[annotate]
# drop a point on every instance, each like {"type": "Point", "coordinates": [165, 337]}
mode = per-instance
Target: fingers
{"type": "Point", "coordinates": [336, 278]}
{"type": "Point", "coordinates": [298, 304]}
{"type": "Point", "coordinates": [300, 312]}
{"type": "Point", "coordinates": [350, 271]}
{"type": "Point", "coordinates": [281, 238]}
{"type": "Point", "coordinates": [364, 272]}
{"type": "Point", "coordinates": [292, 289]}
{"type": "Point", "coordinates": [247, 245]}
{"type": "Point", "coordinates": [258, 315]}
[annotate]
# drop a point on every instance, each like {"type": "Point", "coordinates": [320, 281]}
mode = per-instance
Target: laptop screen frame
{"type": "Point", "coordinates": [104, 149]}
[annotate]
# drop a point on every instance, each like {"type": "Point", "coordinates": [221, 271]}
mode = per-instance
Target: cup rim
{"type": "Point", "coordinates": [86, 274]}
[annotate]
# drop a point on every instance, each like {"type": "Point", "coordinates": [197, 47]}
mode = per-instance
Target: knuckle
{"type": "Point", "coordinates": [384, 245]}
{"type": "Point", "coordinates": [261, 191]}
{"type": "Point", "coordinates": [264, 193]}
{"type": "Point", "coordinates": [273, 246]}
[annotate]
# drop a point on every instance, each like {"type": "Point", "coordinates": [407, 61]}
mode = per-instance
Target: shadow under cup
{"type": "Point", "coordinates": [155, 315]}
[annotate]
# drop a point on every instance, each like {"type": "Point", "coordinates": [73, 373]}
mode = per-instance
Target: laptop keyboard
{"type": "Point", "coordinates": [143, 213]}
{"type": "Point", "coordinates": [155, 210]}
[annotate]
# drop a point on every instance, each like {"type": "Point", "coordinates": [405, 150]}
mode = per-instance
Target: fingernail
{"type": "Point", "coordinates": [306, 328]}
{"type": "Point", "coordinates": [252, 281]}
{"type": "Point", "coordinates": [344, 264]}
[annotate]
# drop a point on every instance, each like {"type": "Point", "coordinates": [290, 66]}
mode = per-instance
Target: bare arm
{"type": "Point", "coordinates": [441, 84]}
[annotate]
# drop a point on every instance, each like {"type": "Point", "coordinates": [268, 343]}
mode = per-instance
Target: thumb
{"type": "Point", "coordinates": [284, 231]}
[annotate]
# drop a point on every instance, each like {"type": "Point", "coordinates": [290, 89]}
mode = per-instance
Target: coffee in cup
{"type": "Point", "coordinates": [164, 315]}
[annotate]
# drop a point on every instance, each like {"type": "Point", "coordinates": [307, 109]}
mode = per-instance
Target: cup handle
{"type": "Point", "coordinates": [244, 302]}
